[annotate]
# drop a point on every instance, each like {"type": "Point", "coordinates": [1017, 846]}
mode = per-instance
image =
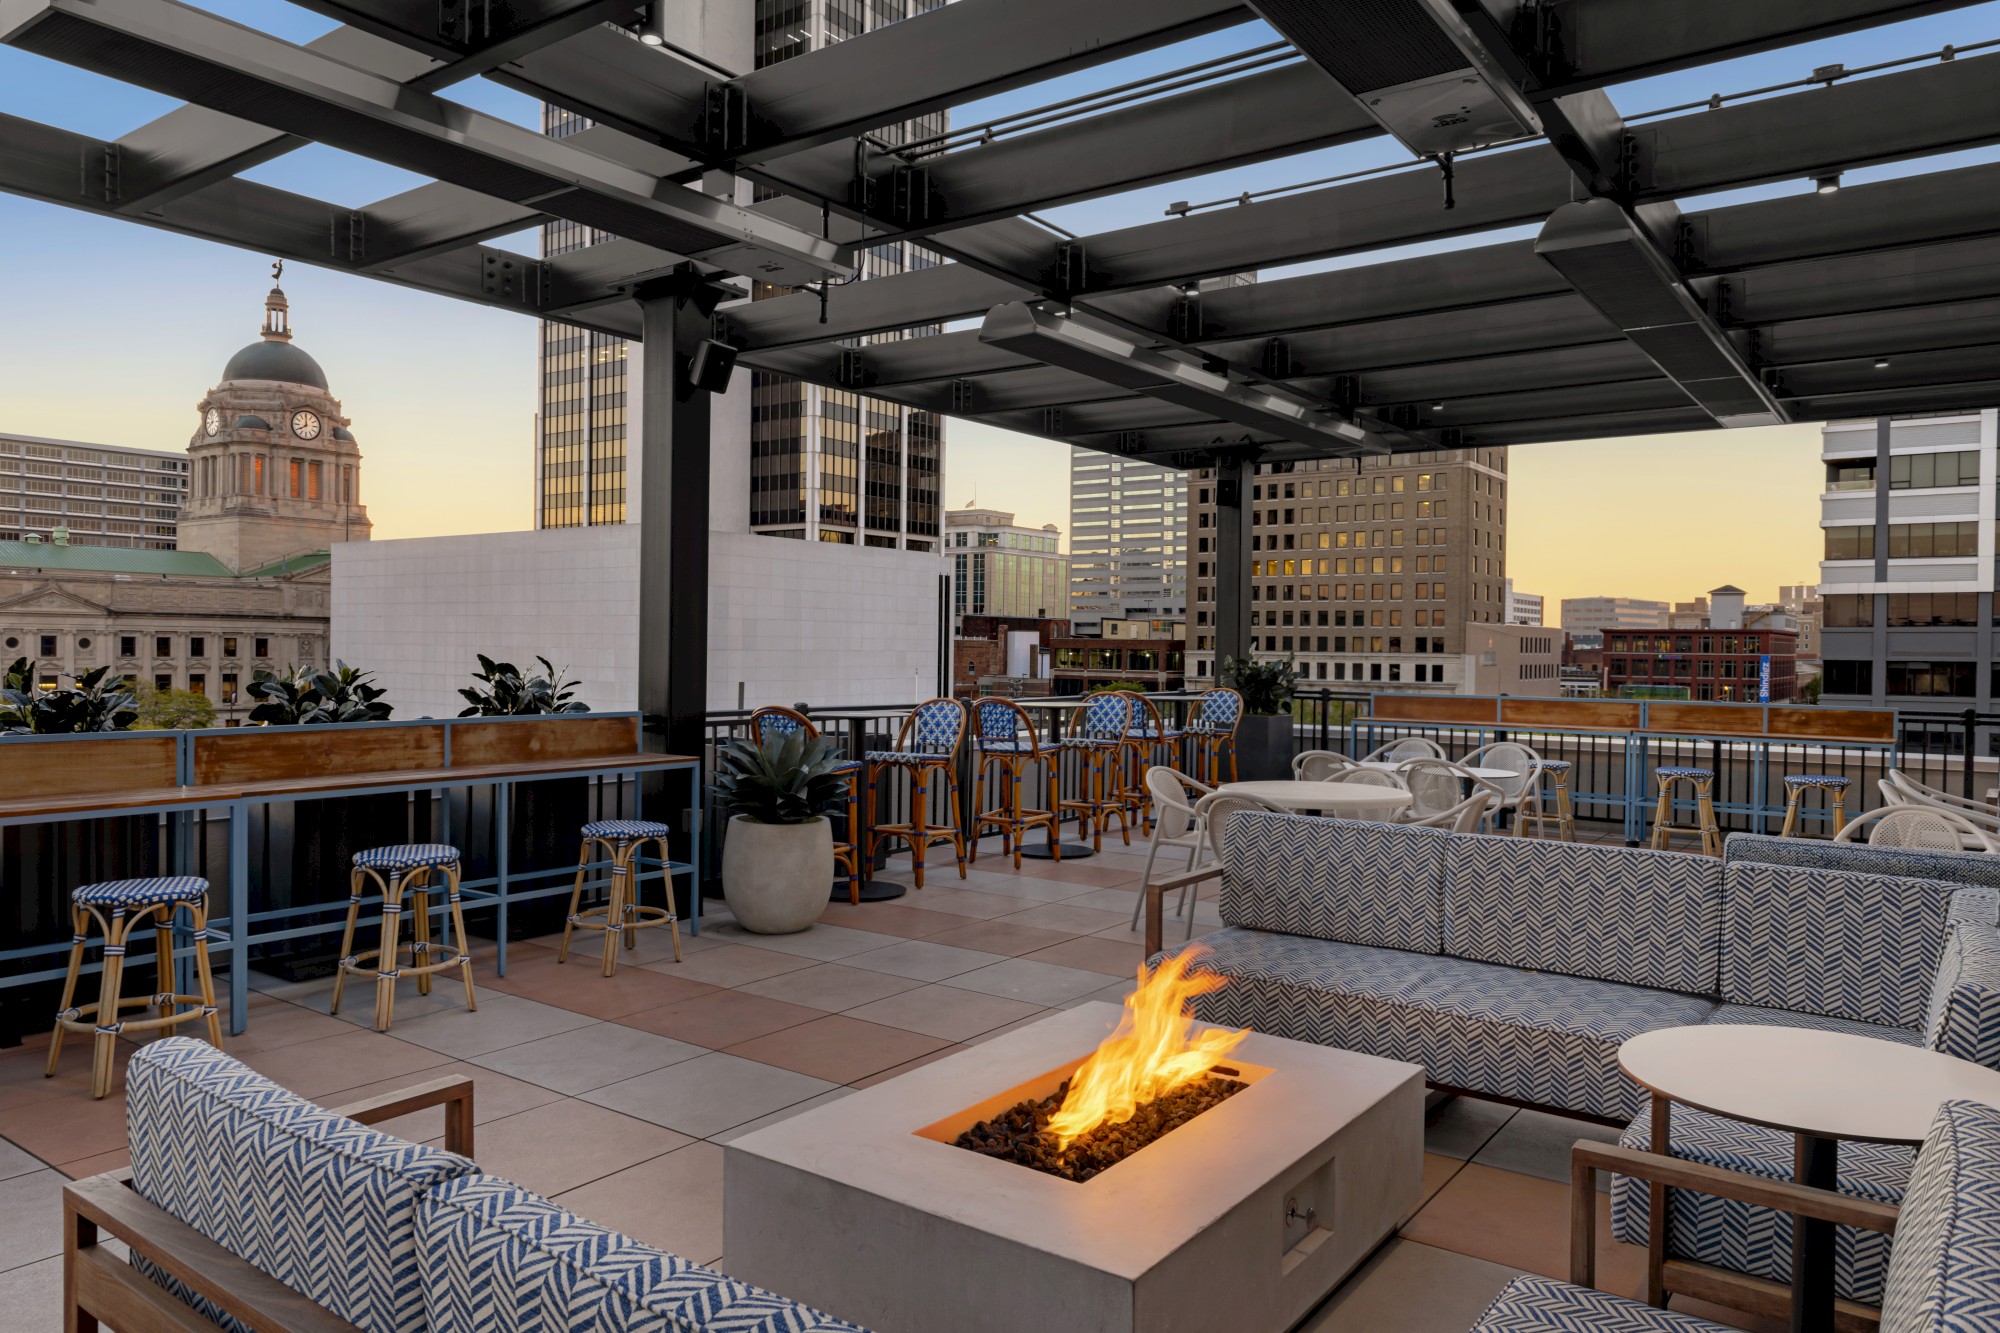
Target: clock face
{"type": "Point", "coordinates": [214, 421]}
{"type": "Point", "coordinates": [305, 425]}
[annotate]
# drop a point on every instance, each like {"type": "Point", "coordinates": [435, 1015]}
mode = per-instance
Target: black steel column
{"type": "Point", "coordinates": [1232, 559]}
{"type": "Point", "coordinates": [672, 513]}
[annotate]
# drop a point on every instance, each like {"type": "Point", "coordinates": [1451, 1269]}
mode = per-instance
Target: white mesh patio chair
{"type": "Point", "coordinates": [1511, 793]}
{"type": "Point", "coordinates": [1406, 747]}
{"type": "Point", "coordinates": [1373, 777]}
{"type": "Point", "coordinates": [1174, 825]}
{"type": "Point", "coordinates": [1919, 828]}
{"type": "Point", "coordinates": [1321, 766]}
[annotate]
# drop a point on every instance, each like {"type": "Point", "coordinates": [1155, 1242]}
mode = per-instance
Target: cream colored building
{"type": "Point", "coordinates": [273, 480]}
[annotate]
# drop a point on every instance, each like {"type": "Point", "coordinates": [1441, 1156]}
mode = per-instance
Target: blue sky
{"type": "Point", "coordinates": [112, 331]}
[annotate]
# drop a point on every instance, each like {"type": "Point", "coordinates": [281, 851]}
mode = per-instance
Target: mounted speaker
{"type": "Point", "coordinates": [711, 365]}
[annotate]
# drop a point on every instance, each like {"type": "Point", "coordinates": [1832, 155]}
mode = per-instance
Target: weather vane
{"type": "Point", "coordinates": [277, 272]}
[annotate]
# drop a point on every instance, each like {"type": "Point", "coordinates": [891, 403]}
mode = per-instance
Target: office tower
{"type": "Point", "coordinates": [1523, 608]}
{"type": "Point", "coordinates": [1907, 580]}
{"type": "Point", "coordinates": [1366, 570]}
{"type": "Point", "coordinates": [99, 494]}
{"type": "Point", "coordinates": [1595, 614]}
{"type": "Point", "coordinates": [1128, 535]}
{"type": "Point", "coordinates": [1000, 568]}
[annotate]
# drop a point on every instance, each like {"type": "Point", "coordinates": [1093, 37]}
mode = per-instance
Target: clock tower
{"type": "Point", "coordinates": [274, 471]}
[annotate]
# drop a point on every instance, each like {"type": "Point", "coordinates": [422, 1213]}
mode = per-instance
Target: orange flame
{"type": "Point", "coordinates": [1154, 1051]}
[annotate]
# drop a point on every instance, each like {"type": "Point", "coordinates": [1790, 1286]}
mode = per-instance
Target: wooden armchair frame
{"type": "Point", "coordinates": [97, 1286]}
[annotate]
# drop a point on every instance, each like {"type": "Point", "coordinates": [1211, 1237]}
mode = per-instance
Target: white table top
{"type": "Point", "coordinates": [1394, 765]}
{"type": "Point", "coordinates": [1832, 1084]}
{"type": "Point", "coordinates": [1323, 795]}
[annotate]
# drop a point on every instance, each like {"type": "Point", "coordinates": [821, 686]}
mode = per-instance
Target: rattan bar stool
{"type": "Point", "coordinates": [1214, 730]}
{"type": "Point", "coordinates": [777, 720]}
{"type": "Point", "coordinates": [926, 746]}
{"type": "Point", "coordinates": [1798, 784]}
{"type": "Point", "coordinates": [120, 907]}
{"type": "Point", "coordinates": [410, 868]}
{"type": "Point", "coordinates": [1702, 780]}
{"type": "Point", "coordinates": [1099, 731]}
{"type": "Point", "coordinates": [1148, 735]}
{"type": "Point", "coordinates": [1007, 742]}
{"type": "Point", "coordinates": [622, 914]}
{"type": "Point", "coordinates": [1563, 817]}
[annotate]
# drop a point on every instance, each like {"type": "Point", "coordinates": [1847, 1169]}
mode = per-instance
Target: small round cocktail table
{"type": "Point", "coordinates": [1330, 798]}
{"type": "Point", "coordinates": [1821, 1087]}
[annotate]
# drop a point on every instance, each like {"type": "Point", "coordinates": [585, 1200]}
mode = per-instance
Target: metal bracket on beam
{"type": "Point", "coordinates": [725, 119]}
{"type": "Point", "coordinates": [910, 195]}
{"type": "Point", "coordinates": [108, 171]}
{"type": "Point", "coordinates": [1346, 392]}
{"type": "Point", "coordinates": [507, 277]}
{"type": "Point", "coordinates": [1052, 419]}
{"type": "Point", "coordinates": [1184, 318]}
{"type": "Point", "coordinates": [1276, 362]}
{"type": "Point", "coordinates": [1072, 268]}
{"type": "Point", "coordinates": [961, 397]}
{"type": "Point", "coordinates": [851, 371]}
{"type": "Point", "coordinates": [1131, 442]}
{"type": "Point", "coordinates": [347, 236]}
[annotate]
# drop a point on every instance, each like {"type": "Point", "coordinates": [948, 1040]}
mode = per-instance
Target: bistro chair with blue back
{"type": "Point", "coordinates": [1149, 735]}
{"type": "Point", "coordinates": [1214, 730]}
{"type": "Point", "coordinates": [1009, 745]}
{"type": "Point", "coordinates": [1099, 732]}
{"type": "Point", "coordinates": [777, 720]}
{"type": "Point", "coordinates": [927, 746]}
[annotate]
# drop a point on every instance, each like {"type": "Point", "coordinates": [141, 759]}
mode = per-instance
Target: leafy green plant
{"type": "Point", "coordinates": [1121, 686]}
{"type": "Point", "coordinates": [788, 779]}
{"type": "Point", "coordinates": [301, 696]}
{"type": "Point", "coordinates": [1266, 687]}
{"type": "Point", "coordinates": [172, 710]}
{"type": "Point", "coordinates": [94, 701]}
{"type": "Point", "coordinates": [504, 691]}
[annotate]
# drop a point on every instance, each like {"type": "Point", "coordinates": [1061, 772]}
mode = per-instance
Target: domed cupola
{"type": "Point", "coordinates": [273, 356]}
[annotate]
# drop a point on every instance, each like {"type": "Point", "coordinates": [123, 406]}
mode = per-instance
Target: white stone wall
{"type": "Point", "coordinates": [791, 621]}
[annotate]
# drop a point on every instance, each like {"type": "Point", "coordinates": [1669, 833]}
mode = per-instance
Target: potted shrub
{"type": "Point", "coordinates": [505, 691]}
{"type": "Point", "coordinates": [91, 703]}
{"type": "Point", "coordinates": [777, 858]}
{"type": "Point", "coordinates": [1264, 741]}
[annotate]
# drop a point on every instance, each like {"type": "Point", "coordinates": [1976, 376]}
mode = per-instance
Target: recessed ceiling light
{"type": "Point", "coordinates": [1882, 364]}
{"type": "Point", "coordinates": [1437, 407]}
{"type": "Point", "coordinates": [1827, 184]}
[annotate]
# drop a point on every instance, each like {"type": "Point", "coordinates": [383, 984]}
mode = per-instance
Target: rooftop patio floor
{"type": "Point", "coordinates": [614, 1096]}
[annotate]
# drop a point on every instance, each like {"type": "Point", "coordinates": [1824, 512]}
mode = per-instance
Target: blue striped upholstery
{"type": "Point", "coordinates": [1963, 1017]}
{"type": "Point", "coordinates": [1863, 858]}
{"type": "Point", "coordinates": [498, 1259]}
{"type": "Point", "coordinates": [1544, 1305]}
{"type": "Point", "coordinates": [410, 856]}
{"type": "Point", "coordinates": [1531, 1036]}
{"type": "Point", "coordinates": [1823, 781]}
{"type": "Point", "coordinates": [906, 757]}
{"type": "Point", "coordinates": [1007, 747]}
{"type": "Point", "coordinates": [625, 830]}
{"type": "Point", "coordinates": [318, 1202]}
{"type": "Point", "coordinates": [1622, 914]}
{"type": "Point", "coordinates": [1748, 1239]}
{"type": "Point", "coordinates": [141, 892]}
{"type": "Point", "coordinates": [1864, 947]}
{"type": "Point", "coordinates": [1334, 879]}
{"type": "Point", "coordinates": [1944, 1274]}
{"type": "Point", "coordinates": [1146, 731]}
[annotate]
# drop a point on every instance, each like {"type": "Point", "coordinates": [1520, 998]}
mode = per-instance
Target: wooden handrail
{"type": "Point", "coordinates": [453, 1094]}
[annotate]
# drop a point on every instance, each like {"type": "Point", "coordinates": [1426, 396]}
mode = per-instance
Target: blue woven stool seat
{"type": "Point", "coordinates": [1007, 747]}
{"type": "Point", "coordinates": [141, 892]}
{"type": "Point", "coordinates": [1824, 781]}
{"type": "Point", "coordinates": [1699, 774]}
{"type": "Point", "coordinates": [625, 830]}
{"type": "Point", "coordinates": [408, 856]}
{"type": "Point", "coordinates": [848, 766]}
{"type": "Point", "coordinates": [1148, 733]}
{"type": "Point", "coordinates": [908, 757]}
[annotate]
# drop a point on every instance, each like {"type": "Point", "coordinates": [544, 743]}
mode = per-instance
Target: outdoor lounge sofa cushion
{"type": "Point", "coordinates": [1944, 1273]}
{"type": "Point", "coordinates": [1832, 942]}
{"type": "Point", "coordinates": [1334, 879]}
{"type": "Point", "coordinates": [1863, 858]}
{"type": "Point", "coordinates": [1963, 1017]}
{"type": "Point", "coordinates": [324, 1205]}
{"type": "Point", "coordinates": [1544, 1305]}
{"type": "Point", "coordinates": [498, 1259]}
{"type": "Point", "coordinates": [1530, 1036]}
{"type": "Point", "coordinates": [1622, 914]}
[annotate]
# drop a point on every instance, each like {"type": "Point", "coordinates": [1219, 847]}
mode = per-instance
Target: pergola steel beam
{"type": "Point", "coordinates": [185, 52]}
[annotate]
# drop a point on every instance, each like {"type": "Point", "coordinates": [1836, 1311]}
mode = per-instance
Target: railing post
{"type": "Point", "coordinates": [1971, 719]}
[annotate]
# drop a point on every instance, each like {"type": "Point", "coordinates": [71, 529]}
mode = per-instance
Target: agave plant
{"type": "Point", "coordinates": [505, 692]}
{"type": "Point", "coordinates": [788, 779]}
{"type": "Point", "coordinates": [94, 701]}
{"type": "Point", "coordinates": [302, 696]}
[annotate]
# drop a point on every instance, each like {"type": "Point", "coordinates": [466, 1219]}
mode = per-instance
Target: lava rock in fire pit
{"type": "Point", "coordinates": [1020, 1134]}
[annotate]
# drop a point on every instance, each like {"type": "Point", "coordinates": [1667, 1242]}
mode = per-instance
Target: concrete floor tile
{"type": "Point", "coordinates": [672, 1202]}
{"type": "Point", "coordinates": [824, 943]}
{"type": "Point", "coordinates": [888, 918]}
{"type": "Point", "coordinates": [923, 960]}
{"type": "Point", "coordinates": [1536, 1143]}
{"type": "Point", "coordinates": [1001, 937]}
{"type": "Point", "coordinates": [785, 1113]}
{"type": "Point", "coordinates": [500, 1021]}
{"type": "Point", "coordinates": [710, 1093]}
{"type": "Point", "coordinates": [1462, 1126]}
{"type": "Point", "coordinates": [838, 1048]}
{"type": "Point", "coordinates": [946, 1011]}
{"type": "Point", "coordinates": [567, 1143]}
{"type": "Point", "coordinates": [968, 903]}
{"type": "Point", "coordinates": [31, 1217]}
{"type": "Point", "coordinates": [313, 1069]}
{"type": "Point", "coordinates": [722, 1018]}
{"type": "Point", "coordinates": [580, 985]}
{"type": "Point", "coordinates": [897, 1071]}
{"type": "Point", "coordinates": [1113, 958]}
{"type": "Point", "coordinates": [1521, 1222]}
{"type": "Point", "coordinates": [1406, 1287]}
{"type": "Point", "coordinates": [1045, 984]}
{"type": "Point", "coordinates": [734, 964]}
{"type": "Point", "coordinates": [17, 1161]}
{"type": "Point", "coordinates": [588, 1057]}
{"type": "Point", "coordinates": [31, 1294]}
{"type": "Point", "coordinates": [1068, 918]}
{"type": "Point", "coordinates": [832, 987]}
{"type": "Point", "coordinates": [494, 1097]}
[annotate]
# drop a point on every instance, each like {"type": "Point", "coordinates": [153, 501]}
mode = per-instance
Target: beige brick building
{"type": "Point", "coordinates": [273, 480]}
{"type": "Point", "coordinates": [1366, 570]}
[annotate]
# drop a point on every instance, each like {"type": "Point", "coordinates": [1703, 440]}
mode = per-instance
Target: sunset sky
{"type": "Point", "coordinates": [110, 332]}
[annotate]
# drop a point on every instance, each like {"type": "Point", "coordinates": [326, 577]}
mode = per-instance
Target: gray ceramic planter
{"type": "Point", "coordinates": [1263, 748]}
{"type": "Point", "coordinates": [774, 876]}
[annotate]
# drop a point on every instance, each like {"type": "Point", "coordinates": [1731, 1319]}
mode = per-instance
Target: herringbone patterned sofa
{"type": "Point", "coordinates": [1515, 967]}
{"type": "Point", "coordinates": [395, 1237]}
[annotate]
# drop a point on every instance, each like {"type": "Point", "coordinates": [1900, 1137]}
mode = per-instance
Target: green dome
{"type": "Point", "coordinates": [273, 360]}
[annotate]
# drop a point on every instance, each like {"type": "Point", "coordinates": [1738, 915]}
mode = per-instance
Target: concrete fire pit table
{"type": "Point", "coordinates": [1241, 1219]}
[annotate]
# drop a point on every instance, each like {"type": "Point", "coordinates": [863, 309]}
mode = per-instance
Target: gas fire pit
{"type": "Point", "coordinates": [895, 1208]}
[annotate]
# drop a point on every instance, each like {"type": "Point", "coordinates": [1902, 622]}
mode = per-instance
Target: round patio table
{"type": "Point", "coordinates": [1821, 1087]}
{"type": "Point", "coordinates": [1323, 797]}
{"type": "Point", "coordinates": [1486, 774]}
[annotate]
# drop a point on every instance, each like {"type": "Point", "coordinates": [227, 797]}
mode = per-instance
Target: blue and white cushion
{"type": "Point", "coordinates": [1944, 1273]}
{"type": "Point", "coordinates": [625, 830]}
{"type": "Point", "coordinates": [320, 1203]}
{"type": "Point", "coordinates": [1220, 710]}
{"type": "Point", "coordinates": [1743, 1237]}
{"type": "Point", "coordinates": [1544, 1305]}
{"type": "Point", "coordinates": [1334, 879]}
{"type": "Point", "coordinates": [142, 892]}
{"type": "Point", "coordinates": [1864, 947]}
{"type": "Point", "coordinates": [498, 1259]}
{"type": "Point", "coordinates": [1785, 1018]}
{"type": "Point", "coordinates": [1623, 914]}
{"type": "Point", "coordinates": [1529, 1036]}
{"type": "Point", "coordinates": [937, 726]}
{"type": "Point", "coordinates": [907, 757]}
{"type": "Point", "coordinates": [1820, 781]}
{"type": "Point", "coordinates": [1963, 1017]}
{"type": "Point", "coordinates": [1668, 772]}
{"type": "Point", "coordinates": [1560, 766]}
{"type": "Point", "coordinates": [1863, 858]}
{"type": "Point", "coordinates": [409, 856]}
{"type": "Point", "coordinates": [776, 724]}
